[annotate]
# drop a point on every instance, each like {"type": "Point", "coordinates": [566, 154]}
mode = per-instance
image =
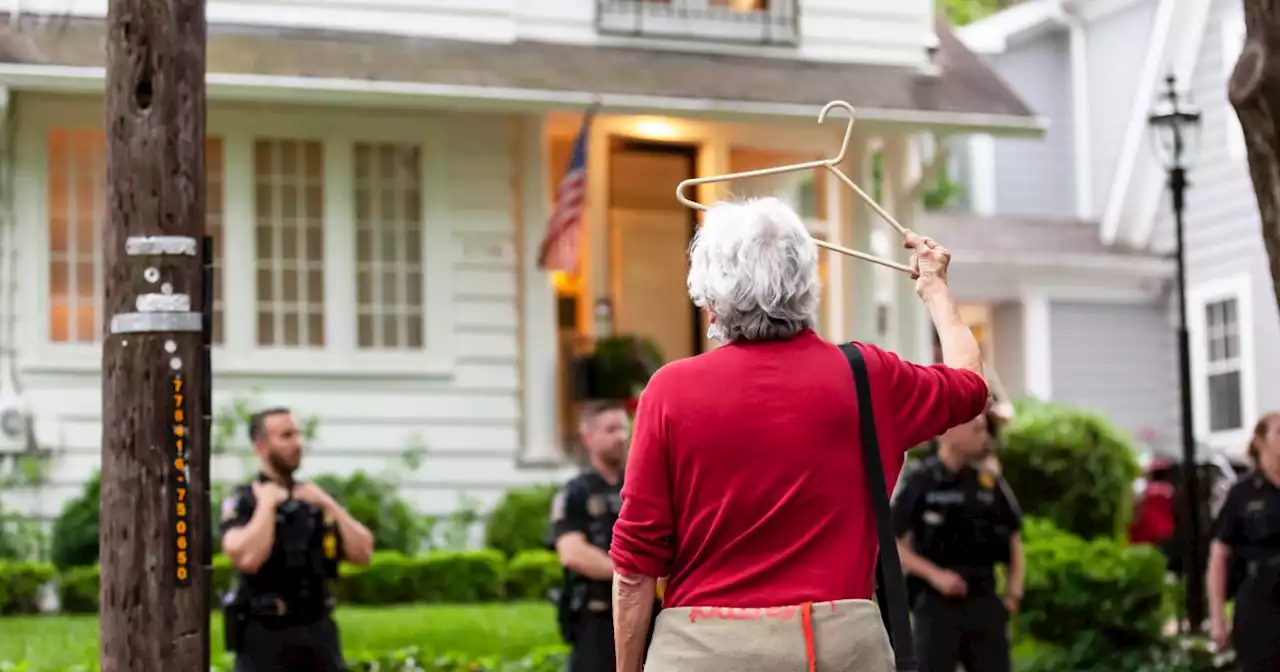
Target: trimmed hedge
{"type": "Point", "coordinates": [20, 586]}
{"type": "Point", "coordinates": [391, 578]}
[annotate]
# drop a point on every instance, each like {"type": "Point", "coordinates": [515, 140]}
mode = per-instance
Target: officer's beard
{"type": "Point", "coordinates": [615, 458]}
{"type": "Point", "coordinates": [281, 467]}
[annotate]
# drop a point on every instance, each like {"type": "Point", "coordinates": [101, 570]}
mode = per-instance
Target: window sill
{"type": "Point", "coordinates": [1232, 443]}
{"type": "Point", "coordinates": [266, 363]}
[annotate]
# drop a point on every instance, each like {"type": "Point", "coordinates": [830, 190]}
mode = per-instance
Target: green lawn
{"type": "Point", "coordinates": [508, 629]}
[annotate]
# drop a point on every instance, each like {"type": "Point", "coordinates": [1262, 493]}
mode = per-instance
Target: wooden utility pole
{"type": "Point", "coordinates": [1254, 90]}
{"type": "Point", "coordinates": [155, 608]}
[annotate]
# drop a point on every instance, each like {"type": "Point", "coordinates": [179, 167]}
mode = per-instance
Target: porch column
{"type": "Point", "coordinates": [912, 330]}
{"type": "Point", "coordinates": [1036, 346]}
{"type": "Point", "coordinates": [595, 241]}
{"type": "Point", "coordinates": [851, 296]}
{"type": "Point", "coordinates": [539, 359]}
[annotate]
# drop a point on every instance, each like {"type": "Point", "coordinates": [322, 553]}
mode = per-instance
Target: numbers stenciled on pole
{"type": "Point", "coordinates": [181, 526]}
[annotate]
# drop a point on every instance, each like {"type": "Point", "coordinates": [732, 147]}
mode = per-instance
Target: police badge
{"type": "Point", "coordinates": [229, 506]}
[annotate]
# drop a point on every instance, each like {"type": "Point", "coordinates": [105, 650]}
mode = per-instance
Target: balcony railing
{"type": "Point", "coordinates": [746, 21]}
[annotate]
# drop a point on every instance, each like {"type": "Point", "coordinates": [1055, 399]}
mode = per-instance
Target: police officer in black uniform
{"type": "Point", "coordinates": [582, 518]}
{"type": "Point", "coordinates": [955, 520]}
{"type": "Point", "coordinates": [1248, 529]}
{"type": "Point", "coordinates": [285, 539]}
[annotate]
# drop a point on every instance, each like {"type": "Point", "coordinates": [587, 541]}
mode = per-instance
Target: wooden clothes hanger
{"type": "Point", "coordinates": [830, 165]}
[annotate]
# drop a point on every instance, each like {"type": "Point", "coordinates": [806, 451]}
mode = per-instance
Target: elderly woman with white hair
{"type": "Point", "coordinates": [743, 485]}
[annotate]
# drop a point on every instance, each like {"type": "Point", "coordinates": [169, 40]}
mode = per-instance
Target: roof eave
{"type": "Point", "coordinates": [322, 90]}
{"type": "Point", "coordinates": [1124, 264]}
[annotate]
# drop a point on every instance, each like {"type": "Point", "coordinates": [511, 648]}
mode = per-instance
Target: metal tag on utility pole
{"type": "Point", "coordinates": [155, 526]}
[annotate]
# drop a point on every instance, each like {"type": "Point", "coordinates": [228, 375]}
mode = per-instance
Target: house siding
{"type": "Point", "coordinates": [1130, 375]}
{"type": "Point", "coordinates": [467, 426]}
{"type": "Point", "coordinates": [1036, 177]}
{"type": "Point", "coordinates": [1222, 224]}
{"type": "Point", "coordinates": [1116, 44]}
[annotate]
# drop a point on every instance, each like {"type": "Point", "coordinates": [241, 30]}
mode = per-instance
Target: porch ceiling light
{"type": "Point", "coordinates": [656, 129]}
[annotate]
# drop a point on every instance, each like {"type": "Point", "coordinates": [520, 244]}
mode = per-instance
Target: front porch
{"type": "Point", "coordinates": [633, 256]}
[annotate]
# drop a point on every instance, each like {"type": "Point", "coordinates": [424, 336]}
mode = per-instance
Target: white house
{"type": "Point", "coordinates": [1094, 68]}
{"type": "Point", "coordinates": [379, 180]}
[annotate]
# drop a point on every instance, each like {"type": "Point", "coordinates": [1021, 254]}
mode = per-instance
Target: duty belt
{"type": "Point", "coordinates": [274, 611]}
{"type": "Point", "coordinates": [1256, 566]}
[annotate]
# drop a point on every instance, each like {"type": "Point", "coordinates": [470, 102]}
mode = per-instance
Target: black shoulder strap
{"type": "Point", "coordinates": [891, 591]}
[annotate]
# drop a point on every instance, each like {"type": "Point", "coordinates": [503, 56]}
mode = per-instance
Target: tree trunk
{"type": "Point", "coordinates": [154, 607]}
{"type": "Point", "coordinates": [1254, 91]}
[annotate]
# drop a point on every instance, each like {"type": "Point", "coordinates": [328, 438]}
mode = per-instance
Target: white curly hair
{"type": "Point", "coordinates": [754, 267]}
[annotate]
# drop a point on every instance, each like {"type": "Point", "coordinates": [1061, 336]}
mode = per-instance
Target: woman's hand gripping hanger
{"type": "Point", "coordinates": [830, 165]}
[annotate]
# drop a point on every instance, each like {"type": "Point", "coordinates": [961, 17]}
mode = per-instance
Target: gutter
{"type": "Point", "coordinates": [341, 91]}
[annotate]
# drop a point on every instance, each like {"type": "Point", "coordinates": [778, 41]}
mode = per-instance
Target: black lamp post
{"type": "Point", "coordinates": [1175, 125]}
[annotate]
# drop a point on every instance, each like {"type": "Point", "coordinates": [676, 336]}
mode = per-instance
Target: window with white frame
{"type": "Point", "coordinates": [1223, 365]}
{"type": "Point", "coordinates": [1233, 34]}
{"type": "Point", "coordinates": [76, 202]}
{"type": "Point", "coordinates": [1220, 323]}
{"type": "Point", "coordinates": [756, 21]}
{"type": "Point", "coordinates": [77, 175]}
{"type": "Point", "coordinates": [389, 267]}
{"type": "Point", "coordinates": [289, 223]}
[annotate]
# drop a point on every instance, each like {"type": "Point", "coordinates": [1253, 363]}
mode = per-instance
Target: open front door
{"type": "Point", "coordinates": [649, 241]}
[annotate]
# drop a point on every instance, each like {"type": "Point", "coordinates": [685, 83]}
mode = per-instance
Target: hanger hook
{"type": "Point", "coordinates": [848, 131]}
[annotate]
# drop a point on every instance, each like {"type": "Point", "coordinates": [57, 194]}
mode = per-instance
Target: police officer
{"type": "Point", "coordinates": [285, 539]}
{"type": "Point", "coordinates": [955, 520]}
{"type": "Point", "coordinates": [1248, 529]}
{"type": "Point", "coordinates": [582, 518]}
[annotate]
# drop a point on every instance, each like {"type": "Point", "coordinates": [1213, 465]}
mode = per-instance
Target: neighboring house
{"type": "Point", "coordinates": [1094, 69]}
{"type": "Point", "coordinates": [379, 181]}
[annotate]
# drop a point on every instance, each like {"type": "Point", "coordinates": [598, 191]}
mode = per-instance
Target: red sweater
{"type": "Point", "coordinates": [745, 484]}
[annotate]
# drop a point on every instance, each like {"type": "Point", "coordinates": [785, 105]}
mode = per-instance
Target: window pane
{"type": "Point", "coordinates": [289, 185]}
{"type": "Point", "coordinates": [1225, 413]}
{"type": "Point", "coordinates": [388, 275]}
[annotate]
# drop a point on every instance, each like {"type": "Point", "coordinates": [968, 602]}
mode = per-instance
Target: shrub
{"type": "Point", "coordinates": [74, 540]}
{"type": "Point", "coordinates": [1071, 467]}
{"type": "Point", "coordinates": [78, 590]}
{"type": "Point", "coordinates": [1103, 591]}
{"type": "Point", "coordinates": [519, 522]}
{"type": "Point", "coordinates": [373, 502]}
{"type": "Point", "coordinates": [442, 576]}
{"type": "Point", "coordinates": [20, 586]}
{"type": "Point", "coordinates": [532, 574]}
{"type": "Point", "coordinates": [466, 576]}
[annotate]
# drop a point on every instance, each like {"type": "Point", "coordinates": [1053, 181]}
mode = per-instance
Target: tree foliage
{"type": "Point", "coordinates": [960, 12]}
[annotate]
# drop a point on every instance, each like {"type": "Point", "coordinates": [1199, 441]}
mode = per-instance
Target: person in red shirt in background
{"type": "Point", "coordinates": [1153, 518]}
{"type": "Point", "coordinates": [744, 485]}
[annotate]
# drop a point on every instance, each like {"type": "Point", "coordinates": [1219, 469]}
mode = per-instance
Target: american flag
{"type": "Point", "coordinates": [559, 251]}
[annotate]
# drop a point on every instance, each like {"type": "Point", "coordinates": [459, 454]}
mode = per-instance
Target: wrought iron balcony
{"type": "Point", "coordinates": [746, 21]}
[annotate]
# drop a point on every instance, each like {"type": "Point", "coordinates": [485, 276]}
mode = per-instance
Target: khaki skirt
{"type": "Point", "coordinates": [841, 636]}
